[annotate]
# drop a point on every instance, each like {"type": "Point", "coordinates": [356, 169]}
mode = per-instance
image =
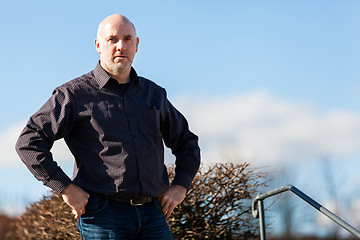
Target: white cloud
{"type": "Point", "coordinates": [260, 128]}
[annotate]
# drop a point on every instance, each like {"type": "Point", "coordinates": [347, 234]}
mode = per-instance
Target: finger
{"type": "Point", "coordinates": [169, 211]}
{"type": "Point", "coordinates": [87, 195]}
{"type": "Point", "coordinates": [162, 200]}
{"type": "Point", "coordinates": [76, 213]}
{"type": "Point", "coordinates": [165, 207]}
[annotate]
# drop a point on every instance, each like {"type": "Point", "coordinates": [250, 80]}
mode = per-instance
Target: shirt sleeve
{"type": "Point", "coordinates": [50, 123]}
{"type": "Point", "coordinates": [183, 144]}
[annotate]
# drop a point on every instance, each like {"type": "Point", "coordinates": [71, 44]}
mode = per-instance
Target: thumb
{"type": "Point", "coordinates": [76, 213]}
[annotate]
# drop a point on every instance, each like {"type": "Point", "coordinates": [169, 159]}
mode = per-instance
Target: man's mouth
{"type": "Point", "coordinates": [120, 56]}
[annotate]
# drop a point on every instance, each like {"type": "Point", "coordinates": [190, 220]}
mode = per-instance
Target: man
{"type": "Point", "coordinates": [114, 123]}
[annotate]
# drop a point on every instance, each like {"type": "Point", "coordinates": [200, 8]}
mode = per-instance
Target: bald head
{"type": "Point", "coordinates": [115, 19]}
{"type": "Point", "coordinates": [117, 45]}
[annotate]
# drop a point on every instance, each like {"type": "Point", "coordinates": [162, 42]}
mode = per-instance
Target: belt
{"type": "Point", "coordinates": [133, 201]}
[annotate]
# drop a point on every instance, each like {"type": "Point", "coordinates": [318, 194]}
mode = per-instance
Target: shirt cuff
{"type": "Point", "coordinates": [58, 182]}
{"type": "Point", "coordinates": [182, 179]}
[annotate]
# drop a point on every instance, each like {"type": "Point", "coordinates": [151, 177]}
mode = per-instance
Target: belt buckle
{"type": "Point", "coordinates": [135, 204]}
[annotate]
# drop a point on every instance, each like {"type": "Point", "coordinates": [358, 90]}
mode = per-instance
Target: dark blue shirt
{"type": "Point", "coordinates": [116, 137]}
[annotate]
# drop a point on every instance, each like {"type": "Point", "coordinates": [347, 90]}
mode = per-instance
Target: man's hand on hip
{"type": "Point", "coordinates": [171, 198]}
{"type": "Point", "coordinates": [76, 198]}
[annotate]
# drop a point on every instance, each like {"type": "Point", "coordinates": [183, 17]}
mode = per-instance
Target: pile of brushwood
{"type": "Point", "coordinates": [218, 206]}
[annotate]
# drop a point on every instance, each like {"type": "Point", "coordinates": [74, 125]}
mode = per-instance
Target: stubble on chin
{"type": "Point", "coordinates": [117, 68]}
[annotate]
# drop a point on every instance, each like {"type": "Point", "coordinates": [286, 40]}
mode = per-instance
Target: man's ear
{"type": "Point", "coordinates": [137, 44]}
{"type": "Point", "coordinates": [97, 45]}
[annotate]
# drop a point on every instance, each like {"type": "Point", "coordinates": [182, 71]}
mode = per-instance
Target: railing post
{"type": "Point", "coordinates": [262, 220]}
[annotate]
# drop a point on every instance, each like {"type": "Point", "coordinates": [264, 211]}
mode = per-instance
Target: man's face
{"type": "Point", "coordinates": [117, 44]}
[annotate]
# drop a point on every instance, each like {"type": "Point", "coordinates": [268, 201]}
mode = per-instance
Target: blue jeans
{"type": "Point", "coordinates": [105, 218]}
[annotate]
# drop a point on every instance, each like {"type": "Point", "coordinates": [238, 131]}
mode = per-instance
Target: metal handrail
{"type": "Point", "coordinates": [257, 208]}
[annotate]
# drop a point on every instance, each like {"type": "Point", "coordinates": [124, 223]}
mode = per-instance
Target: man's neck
{"type": "Point", "coordinates": [122, 78]}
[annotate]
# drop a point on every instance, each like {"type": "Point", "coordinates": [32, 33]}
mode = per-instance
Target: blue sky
{"type": "Point", "coordinates": [275, 83]}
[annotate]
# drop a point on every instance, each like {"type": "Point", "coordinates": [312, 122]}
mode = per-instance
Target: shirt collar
{"type": "Point", "coordinates": [102, 77]}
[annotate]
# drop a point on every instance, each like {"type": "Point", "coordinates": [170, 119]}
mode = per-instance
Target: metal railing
{"type": "Point", "coordinates": [258, 209]}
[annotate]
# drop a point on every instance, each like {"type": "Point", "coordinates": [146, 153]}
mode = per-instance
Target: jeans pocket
{"type": "Point", "coordinates": [96, 203]}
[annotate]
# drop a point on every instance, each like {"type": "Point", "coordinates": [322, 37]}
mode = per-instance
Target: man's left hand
{"type": "Point", "coordinates": [171, 198]}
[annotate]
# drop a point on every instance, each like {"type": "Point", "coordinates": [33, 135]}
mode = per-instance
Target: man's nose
{"type": "Point", "coordinates": [120, 45]}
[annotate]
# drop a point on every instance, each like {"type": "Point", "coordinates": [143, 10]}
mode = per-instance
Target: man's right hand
{"type": "Point", "coordinates": [76, 198]}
